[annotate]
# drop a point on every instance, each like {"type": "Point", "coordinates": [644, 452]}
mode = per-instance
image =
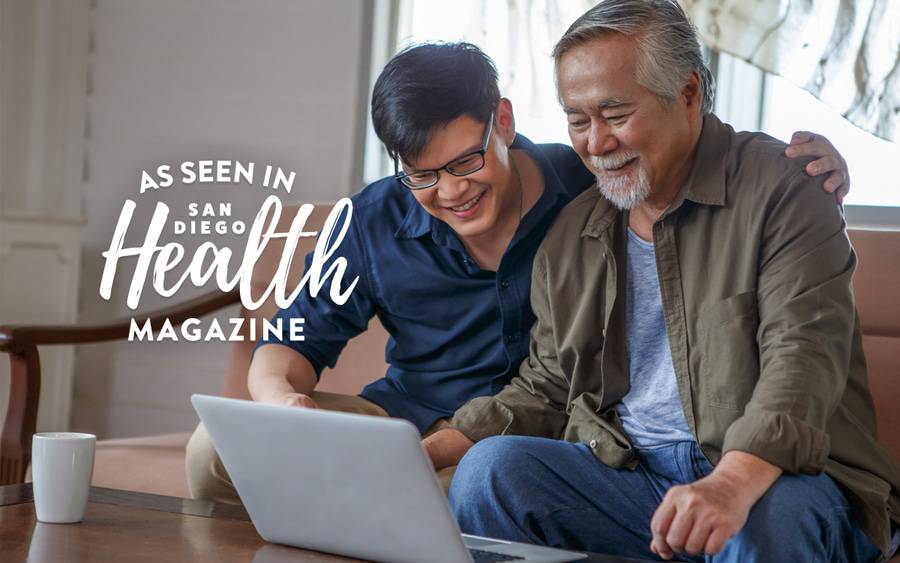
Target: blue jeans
{"type": "Point", "coordinates": [556, 493]}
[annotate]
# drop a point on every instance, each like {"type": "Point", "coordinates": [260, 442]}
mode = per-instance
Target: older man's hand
{"type": "Point", "coordinates": [700, 517]}
{"type": "Point", "coordinates": [446, 447]}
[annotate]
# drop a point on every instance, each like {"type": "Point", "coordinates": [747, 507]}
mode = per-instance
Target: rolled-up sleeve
{"type": "Point", "coordinates": [806, 330]}
{"type": "Point", "coordinates": [327, 325]}
{"type": "Point", "coordinates": [534, 402]}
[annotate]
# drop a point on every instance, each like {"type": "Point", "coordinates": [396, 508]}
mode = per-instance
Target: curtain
{"type": "Point", "coordinates": [844, 52]}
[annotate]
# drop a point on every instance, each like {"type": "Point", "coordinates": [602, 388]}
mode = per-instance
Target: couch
{"type": "Point", "coordinates": [155, 464]}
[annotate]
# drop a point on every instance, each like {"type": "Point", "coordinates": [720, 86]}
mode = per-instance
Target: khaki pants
{"type": "Point", "coordinates": [208, 480]}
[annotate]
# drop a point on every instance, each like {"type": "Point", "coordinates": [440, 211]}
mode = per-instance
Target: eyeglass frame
{"type": "Point", "coordinates": [485, 142]}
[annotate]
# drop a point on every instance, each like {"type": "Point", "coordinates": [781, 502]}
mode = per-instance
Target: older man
{"type": "Point", "coordinates": [696, 344]}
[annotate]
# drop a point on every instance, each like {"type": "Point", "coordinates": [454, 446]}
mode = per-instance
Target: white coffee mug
{"type": "Point", "coordinates": [62, 464]}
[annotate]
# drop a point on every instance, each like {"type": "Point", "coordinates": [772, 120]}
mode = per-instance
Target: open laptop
{"type": "Point", "coordinates": [354, 485]}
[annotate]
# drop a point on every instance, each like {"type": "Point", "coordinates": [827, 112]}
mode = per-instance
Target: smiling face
{"type": "Point", "coordinates": [479, 205]}
{"type": "Point", "coordinates": [636, 145]}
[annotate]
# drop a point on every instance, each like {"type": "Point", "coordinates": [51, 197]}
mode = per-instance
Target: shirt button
{"type": "Point", "coordinates": [593, 444]}
{"type": "Point", "coordinates": [504, 284]}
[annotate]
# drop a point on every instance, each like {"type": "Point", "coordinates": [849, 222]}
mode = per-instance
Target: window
{"type": "Point", "coordinates": [788, 108]}
{"type": "Point", "coordinates": [520, 40]}
{"type": "Point", "coordinates": [749, 98]}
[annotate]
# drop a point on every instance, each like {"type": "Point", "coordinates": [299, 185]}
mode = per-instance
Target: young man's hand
{"type": "Point", "coordinates": [446, 447]}
{"type": "Point", "coordinates": [286, 398]}
{"type": "Point", "coordinates": [281, 376]}
{"type": "Point", "coordinates": [293, 400]}
{"type": "Point", "coordinates": [829, 160]}
{"type": "Point", "coordinates": [701, 516]}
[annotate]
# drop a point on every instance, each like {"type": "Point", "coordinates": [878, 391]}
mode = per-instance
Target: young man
{"type": "Point", "coordinates": [443, 253]}
{"type": "Point", "coordinates": [696, 344]}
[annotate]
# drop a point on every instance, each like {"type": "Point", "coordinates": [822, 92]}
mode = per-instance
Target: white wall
{"type": "Point", "coordinates": [273, 81]}
{"type": "Point", "coordinates": [43, 50]}
{"type": "Point", "coordinates": [43, 62]}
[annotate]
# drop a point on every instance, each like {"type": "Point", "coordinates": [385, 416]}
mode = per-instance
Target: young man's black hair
{"type": "Point", "coordinates": [428, 85]}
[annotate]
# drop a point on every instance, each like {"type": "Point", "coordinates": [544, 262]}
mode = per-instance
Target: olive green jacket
{"type": "Point", "coordinates": [755, 273]}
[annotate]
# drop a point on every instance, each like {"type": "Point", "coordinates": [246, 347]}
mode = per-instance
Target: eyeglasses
{"type": "Point", "coordinates": [462, 166]}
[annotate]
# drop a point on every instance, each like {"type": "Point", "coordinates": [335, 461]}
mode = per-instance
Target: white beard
{"type": "Point", "coordinates": [627, 191]}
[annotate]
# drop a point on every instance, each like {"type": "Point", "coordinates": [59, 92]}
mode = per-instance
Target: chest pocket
{"type": "Point", "coordinates": [729, 362]}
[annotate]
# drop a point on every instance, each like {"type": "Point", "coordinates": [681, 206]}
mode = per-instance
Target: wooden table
{"type": "Point", "coordinates": [124, 526]}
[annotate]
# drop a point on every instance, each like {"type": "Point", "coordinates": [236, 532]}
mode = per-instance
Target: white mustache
{"type": "Point", "coordinates": [612, 161]}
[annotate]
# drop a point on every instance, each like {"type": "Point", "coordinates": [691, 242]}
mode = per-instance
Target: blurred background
{"type": "Point", "coordinates": [92, 92]}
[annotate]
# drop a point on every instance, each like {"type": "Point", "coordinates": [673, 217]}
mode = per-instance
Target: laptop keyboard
{"type": "Point", "coordinates": [482, 556]}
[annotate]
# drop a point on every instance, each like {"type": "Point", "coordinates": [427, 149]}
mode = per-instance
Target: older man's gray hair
{"type": "Point", "coordinates": [667, 40]}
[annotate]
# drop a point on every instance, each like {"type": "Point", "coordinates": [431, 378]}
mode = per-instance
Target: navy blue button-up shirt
{"type": "Point", "coordinates": [456, 331]}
